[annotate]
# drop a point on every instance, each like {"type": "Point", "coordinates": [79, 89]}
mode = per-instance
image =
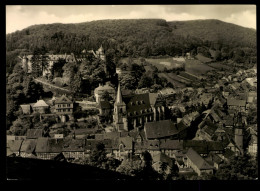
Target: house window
{"type": "Point", "coordinates": [64, 105]}
{"type": "Point", "coordinates": [64, 110]}
{"type": "Point", "coordinates": [68, 105]}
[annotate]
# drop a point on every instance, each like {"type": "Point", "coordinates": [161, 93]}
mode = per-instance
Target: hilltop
{"type": "Point", "coordinates": [135, 35]}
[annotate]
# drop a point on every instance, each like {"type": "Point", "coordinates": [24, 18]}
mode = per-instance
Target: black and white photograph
{"type": "Point", "coordinates": [131, 92]}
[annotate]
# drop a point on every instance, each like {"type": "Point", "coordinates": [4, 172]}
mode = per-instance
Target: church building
{"type": "Point", "coordinates": [133, 111]}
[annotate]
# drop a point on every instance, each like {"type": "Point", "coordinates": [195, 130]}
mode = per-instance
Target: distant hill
{"type": "Point", "coordinates": [132, 37]}
{"type": "Point", "coordinates": [216, 30]}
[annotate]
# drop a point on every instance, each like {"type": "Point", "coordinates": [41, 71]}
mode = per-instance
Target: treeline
{"type": "Point", "coordinates": [143, 37]}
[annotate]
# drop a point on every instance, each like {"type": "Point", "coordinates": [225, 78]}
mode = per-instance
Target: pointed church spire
{"type": "Point", "coordinates": [119, 95]}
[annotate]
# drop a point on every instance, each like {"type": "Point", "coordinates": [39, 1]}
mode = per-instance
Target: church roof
{"type": "Point", "coordinates": [137, 104]}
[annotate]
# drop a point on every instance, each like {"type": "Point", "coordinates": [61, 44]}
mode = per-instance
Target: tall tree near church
{"type": "Point", "coordinates": [39, 61]}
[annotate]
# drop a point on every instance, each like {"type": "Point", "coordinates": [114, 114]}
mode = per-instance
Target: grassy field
{"type": "Point", "coordinates": [196, 67]}
{"type": "Point", "coordinates": [203, 59]}
{"type": "Point", "coordinates": [162, 63]}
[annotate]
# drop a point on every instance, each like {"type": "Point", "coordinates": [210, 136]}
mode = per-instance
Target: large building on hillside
{"type": "Point", "coordinates": [51, 59]}
{"type": "Point", "coordinates": [133, 111]}
{"type": "Point", "coordinates": [99, 53]}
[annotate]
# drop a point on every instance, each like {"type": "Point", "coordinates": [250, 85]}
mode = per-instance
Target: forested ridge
{"type": "Point", "coordinates": [135, 37]}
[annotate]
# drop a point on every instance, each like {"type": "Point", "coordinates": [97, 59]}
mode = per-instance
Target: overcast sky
{"type": "Point", "coordinates": [20, 17]}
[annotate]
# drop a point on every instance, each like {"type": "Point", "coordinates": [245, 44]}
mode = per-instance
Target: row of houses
{"type": "Point", "coordinates": [119, 148]}
{"type": "Point", "coordinates": [62, 106]}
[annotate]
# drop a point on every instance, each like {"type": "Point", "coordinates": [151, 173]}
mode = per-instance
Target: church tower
{"type": "Point", "coordinates": [120, 119]}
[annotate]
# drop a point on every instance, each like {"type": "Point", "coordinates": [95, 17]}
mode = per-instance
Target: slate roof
{"type": "Point", "coordinates": [220, 113]}
{"type": "Point", "coordinates": [215, 116]}
{"type": "Point", "coordinates": [40, 103]}
{"type": "Point", "coordinates": [228, 122]}
{"type": "Point", "coordinates": [136, 134]}
{"type": "Point", "coordinates": [152, 144]}
{"type": "Point", "coordinates": [99, 136]}
{"type": "Point", "coordinates": [63, 99]}
{"type": "Point", "coordinates": [215, 146]}
{"type": "Point", "coordinates": [48, 145]}
{"type": "Point", "coordinates": [160, 129]}
{"type": "Point", "coordinates": [198, 160]}
{"type": "Point", "coordinates": [73, 145]}
{"type": "Point", "coordinates": [171, 144]}
{"type": "Point", "coordinates": [28, 146]}
{"type": "Point", "coordinates": [228, 153]}
{"type": "Point", "coordinates": [137, 103]}
{"type": "Point", "coordinates": [200, 146]}
{"type": "Point", "coordinates": [210, 130]}
{"type": "Point", "coordinates": [111, 135]}
{"type": "Point", "coordinates": [236, 102]}
{"type": "Point", "coordinates": [82, 131]}
{"type": "Point", "coordinates": [152, 98]}
{"type": "Point", "coordinates": [34, 133]}
{"type": "Point", "coordinates": [214, 158]}
{"type": "Point", "coordinates": [161, 157]}
{"type": "Point", "coordinates": [127, 142]}
{"type": "Point", "coordinates": [26, 108]}
{"type": "Point", "coordinates": [14, 145]}
{"type": "Point", "coordinates": [91, 144]}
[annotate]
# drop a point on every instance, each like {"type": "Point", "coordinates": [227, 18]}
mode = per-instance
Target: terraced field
{"type": "Point", "coordinates": [174, 79]}
{"type": "Point", "coordinates": [219, 65]}
{"type": "Point", "coordinates": [196, 67]}
{"type": "Point", "coordinates": [188, 76]}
